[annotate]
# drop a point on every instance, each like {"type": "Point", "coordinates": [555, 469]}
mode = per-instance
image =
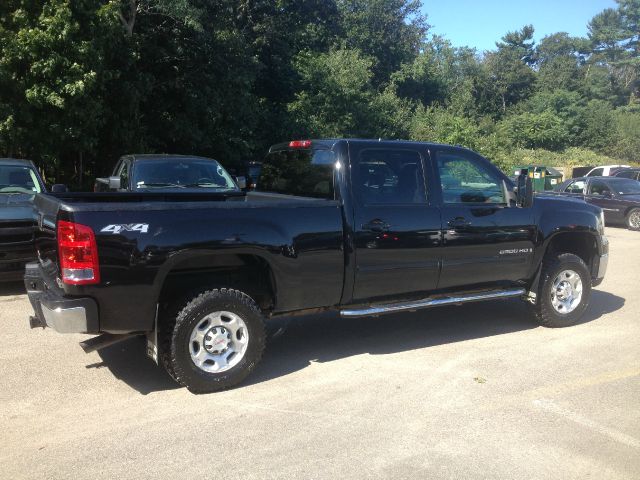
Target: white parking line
{"type": "Point", "coordinates": [551, 406]}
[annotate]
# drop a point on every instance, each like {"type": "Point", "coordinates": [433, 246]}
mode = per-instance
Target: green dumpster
{"type": "Point", "coordinates": [543, 178]}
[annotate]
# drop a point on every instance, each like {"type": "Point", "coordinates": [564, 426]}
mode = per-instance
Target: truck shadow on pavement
{"type": "Point", "coordinates": [10, 289]}
{"type": "Point", "coordinates": [325, 338]}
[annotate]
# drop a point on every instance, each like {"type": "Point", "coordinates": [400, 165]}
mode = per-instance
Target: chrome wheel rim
{"type": "Point", "coordinates": [218, 342]}
{"type": "Point", "coordinates": [566, 292]}
{"type": "Point", "coordinates": [634, 219]}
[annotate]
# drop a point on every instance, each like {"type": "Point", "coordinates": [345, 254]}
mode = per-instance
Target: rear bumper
{"type": "Point", "coordinates": [64, 315]}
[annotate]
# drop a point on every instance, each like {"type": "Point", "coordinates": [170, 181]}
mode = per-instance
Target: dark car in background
{"type": "Point", "coordinates": [139, 173]}
{"type": "Point", "coordinates": [19, 182]}
{"type": "Point", "coordinates": [618, 197]}
{"type": "Point", "coordinates": [632, 173]}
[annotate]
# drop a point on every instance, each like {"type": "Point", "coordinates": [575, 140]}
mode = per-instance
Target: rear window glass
{"type": "Point", "coordinates": [303, 173]}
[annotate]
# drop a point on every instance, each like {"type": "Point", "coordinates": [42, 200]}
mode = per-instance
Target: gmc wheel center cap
{"type": "Point", "coordinates": [564, 290]}
{"type": "Point", "coordinates": [216, 340]}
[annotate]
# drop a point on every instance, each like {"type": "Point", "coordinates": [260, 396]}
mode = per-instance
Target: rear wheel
{"type": "Point", "coordinates": [565, 289]}
{"type": "Point", "coordinates": [216, 341]}
{"type": "Point", "coordinates": [633, 219]}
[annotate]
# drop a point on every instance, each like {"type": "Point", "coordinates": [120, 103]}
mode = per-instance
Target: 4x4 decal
{"type": "Point", "coordinates": [126, 227]}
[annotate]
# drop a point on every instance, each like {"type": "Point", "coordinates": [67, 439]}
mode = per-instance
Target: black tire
{"type": "Point", "coordinates": [175, 339]}
{"type": "Point", "coordinates": [552, 266]}
{"type": "Point", "coordinates": [631, 219]}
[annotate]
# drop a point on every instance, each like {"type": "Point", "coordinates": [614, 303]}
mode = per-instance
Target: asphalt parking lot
{"type": "Point", "coordinates": [476, 391]}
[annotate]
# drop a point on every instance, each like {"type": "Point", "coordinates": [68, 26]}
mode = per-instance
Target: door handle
{"type": "Point", "coordinates": [376, 225]}
{"type": "Point", "coordinates": [458, 222]}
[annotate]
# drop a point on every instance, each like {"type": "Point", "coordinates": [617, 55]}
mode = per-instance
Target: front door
{"type": "Point", "coordinates": [599, 193]}
{"type": "Point", "coordinates": [396, 225]}
{"type": "Point", "coordinates": [485, 240]}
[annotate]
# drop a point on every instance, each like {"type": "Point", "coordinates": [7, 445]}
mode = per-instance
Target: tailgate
{"type": "Point", "coordinates": [47, 208]}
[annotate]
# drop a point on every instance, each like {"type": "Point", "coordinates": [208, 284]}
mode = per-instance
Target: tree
{"type": "Point", "coordinates": [51, 76]}
{"type": "Point", "coordinates": [535, 130]}
{"type": "Point", "coordinates": [559, 60]}
{"type": "Point", "coordinates": [336, 94]}
{"type": "Point", "coordinates": [390, 32]}
{"type": "Point", "coordinates": [511, 79]}
{"type": "Point", "coordinates": [614, 34]}
{"type": "Point", "coordinates": [442, 126]}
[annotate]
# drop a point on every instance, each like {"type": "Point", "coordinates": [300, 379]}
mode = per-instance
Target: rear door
{"type": "Point", "coordinates": [485, 240]}
{"type": "Point", "coordinates": [396, 224]}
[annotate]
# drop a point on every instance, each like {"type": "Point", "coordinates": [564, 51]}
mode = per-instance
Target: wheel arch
{"type": "Point", "coordinates": [583, 244]}
{"type": "Point", "coordinates": [187, 273]}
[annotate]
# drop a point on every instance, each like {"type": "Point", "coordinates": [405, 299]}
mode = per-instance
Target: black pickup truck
{"type": "Point", "coordinates": [19, 182]}
{"type": "Point", "coordinates": [144, 173]}
{"type": "Point", "coordinates": [363, 227]}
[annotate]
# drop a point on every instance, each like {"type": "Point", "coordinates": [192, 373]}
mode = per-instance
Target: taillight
{"type": "Point", "coordinates": [300, 144]}
{"type": "Point", "coordinates": [78, 254]}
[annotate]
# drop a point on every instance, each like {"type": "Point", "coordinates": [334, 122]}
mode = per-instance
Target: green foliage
{"type": "Point", "coordinates": [336, 94]}
{"type": "Point", "coordinates": [442, 126]}
{"type": "Point", "coordinates": [535, 130]}
{"type": "Point", "coordinates": [627, 144]}
{"type": "Point", "coordinates": [83, 82]}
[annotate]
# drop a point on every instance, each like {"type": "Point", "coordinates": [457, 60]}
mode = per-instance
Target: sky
{"type": "Point", "coordinates": [480, 23]}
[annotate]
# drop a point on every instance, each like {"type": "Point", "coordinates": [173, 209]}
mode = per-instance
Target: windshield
{"type": "Point", "coordinates": [625, 187]}
{"type": "Point", "coordinates": [18, 179]}
{"type": "Point", "coordinates": [182, 173]}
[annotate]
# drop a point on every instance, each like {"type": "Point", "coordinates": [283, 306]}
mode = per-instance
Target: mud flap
{"type": "Point", "coordinates": [152, 339]}
{"type": "Point", "coordinates": [532, 293]}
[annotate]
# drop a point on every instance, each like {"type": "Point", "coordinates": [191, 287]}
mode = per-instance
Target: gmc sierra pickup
{"type": "Point", "coordinates": [19, 182]}
{"type": "Point", "coordinates": [363, 227]}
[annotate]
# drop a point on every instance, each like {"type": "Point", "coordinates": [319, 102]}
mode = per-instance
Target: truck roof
{"type": "Point", "coordinates": [328, 143]}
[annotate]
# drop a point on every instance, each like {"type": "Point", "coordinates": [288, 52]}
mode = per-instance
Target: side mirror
{"type": "Point", "coordinates": [59, 188]}
{"type": "Point", "coordinates": [241, 181]}
{"type": "Point", "coordinates": [525, 191]}
{"type": "Point", "coordinates": [114, 183]}
{"type": "Point", "coordinates": [607, 194]}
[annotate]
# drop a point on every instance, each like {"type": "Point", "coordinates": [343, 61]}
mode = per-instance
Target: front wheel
{"type": "Point", "coordinates": [565, 289]}
{"type": "Point", "coordinates": [216, 341]}
{"type": "Point", "coordinates": [633, 219]}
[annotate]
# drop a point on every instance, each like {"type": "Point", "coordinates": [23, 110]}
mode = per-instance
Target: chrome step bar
{"type": "Point", "coordinates": [429, 302]}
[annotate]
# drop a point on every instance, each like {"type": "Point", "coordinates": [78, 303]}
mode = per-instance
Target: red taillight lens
{"type": "Point", "coordinates": [78, 254]}
{"type": "Point", "coordinates": [300, 144]}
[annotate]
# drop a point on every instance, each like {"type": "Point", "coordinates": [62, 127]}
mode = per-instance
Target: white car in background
{"type": "Point", "coordinates": [605, 170]}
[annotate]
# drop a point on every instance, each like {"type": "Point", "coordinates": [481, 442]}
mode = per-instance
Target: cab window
{"type": "Point", "coordinates": [599, 188]}
{"type": "Point", "coordinates": [465, 179]}
{"type": "Point", "coordinates": [627, 174]}
{"type": "Point", "coordinates": [389, 177]}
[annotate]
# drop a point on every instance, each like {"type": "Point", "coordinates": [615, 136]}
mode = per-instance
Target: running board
{"type": "Point", "coordinates": [101, 341]}
{"type": "Point", "coordinates": [429, 302]}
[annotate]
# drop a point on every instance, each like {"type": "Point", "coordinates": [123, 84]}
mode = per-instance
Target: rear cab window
{"type": "Point", "coordinates": [299, 172]}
